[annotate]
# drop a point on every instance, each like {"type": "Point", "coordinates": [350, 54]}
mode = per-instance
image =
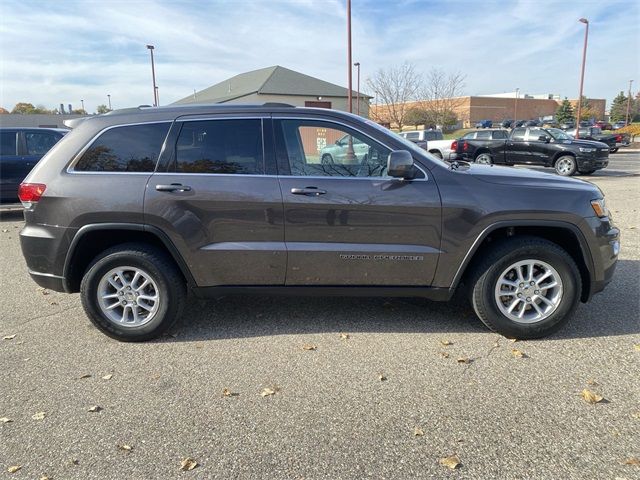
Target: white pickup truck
{"type": "Point", "coordinates": [431, 140]}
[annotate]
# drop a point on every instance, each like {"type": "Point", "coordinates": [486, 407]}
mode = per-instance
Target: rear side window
{"type": "Point", "coordinates": [220, 146]}
{"type": "Point", "coordinates": [499, 134]}
{"type": "Point", "coordinates": [518, 133]}
{"type": "Point", "coordinates": [39, 143]}
{"type": "Point", "coordinates": [469, 136]}
{"type": "Point", "coordinates": [484, 134]}
{"type": "Point", "coordinates": [130, 148]}
{"type": "Point", "coordinates": [413, 136]}
{"type": "Point", "coordinates": [8, 143]}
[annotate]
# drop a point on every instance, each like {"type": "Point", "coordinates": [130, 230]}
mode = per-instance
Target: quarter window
{"type": "Point", "coordinates": [220, 146]}
{"type": "Point", "coordinates": [131, 148]}
{"type": "Point", "coordinates": [486, 134]}
{"type": "Point", "coordinates": [316, 148]}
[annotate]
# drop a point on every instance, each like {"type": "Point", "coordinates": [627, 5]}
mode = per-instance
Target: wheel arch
{"type": "Point", "coordinates": [92, 239]}
{"type": "Point", "coordinates": [563, 153]}
{"type": "Point", "coordinates": [564, 234]}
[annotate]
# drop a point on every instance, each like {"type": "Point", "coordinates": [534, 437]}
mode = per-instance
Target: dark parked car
{"type": "Point", "coordinates": [548, 147]}
{"type": "Point", "coordinates": [135, 208]}
{"type": "Point", "coordinates": [20, 150]}
{"type": "Point", "coordinates": [506, 123]}
{"type": "Point", "coordinates": [614, 140]}
{"type": "Point", "coordinates": [618, 125]}
{"type": "Point", "coordinates": [602, 125]}
{"type": "Point", "coordinates": [567, 125]}
{"type": "Point", "coordinates": [531, 123]}
{"type": "Point", "coordinates": [484, 124]}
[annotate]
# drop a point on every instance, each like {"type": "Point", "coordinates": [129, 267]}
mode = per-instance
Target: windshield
{"type": "Point", "coordinates": [558, 134]}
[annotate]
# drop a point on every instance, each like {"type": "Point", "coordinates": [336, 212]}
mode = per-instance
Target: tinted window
{"type": "Point", "coordinates": [499, 134]}
{"type": "Point", "coordinates": [518, 133]}
{"type": "Point", "coordinates": [315, 148]}
{"type": "Point", "coordinates": [412, 136]}
{"type": "Point", "coordinates": [484, 134]}
{"type": "Point", "coordinates": [535, 134]}
{"type": "Point", "coordinates": [469, 135]}
{"type": "Point", "coordinates": [132, 148]}
{"type": "Point", "coordinates": [8, 143]}
{"type": "Point", "coordinates": [220, 146]}
{"type": "Point", "coordinates": [39, 143]}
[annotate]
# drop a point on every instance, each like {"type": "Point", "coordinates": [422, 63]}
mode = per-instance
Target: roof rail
{"type": "Point", "coordinates": [277, 104]}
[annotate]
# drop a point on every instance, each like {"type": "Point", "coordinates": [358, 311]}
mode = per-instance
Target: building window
{"type": "Point", "coordinates": [317, 104]}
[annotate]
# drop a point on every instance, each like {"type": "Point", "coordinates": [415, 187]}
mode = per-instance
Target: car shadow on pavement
{"type": "Point", "coordinates": [15, 215]}
{"type": "Point", "coordinates": [616, 311]}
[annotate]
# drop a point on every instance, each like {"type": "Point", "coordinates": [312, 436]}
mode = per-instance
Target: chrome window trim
{"type": "Point", "coordinates": [284, 116]}
{"type": "Point", "coordinates": [71, 166]}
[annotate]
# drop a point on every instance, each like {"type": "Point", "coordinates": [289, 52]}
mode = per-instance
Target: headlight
{"type": "Point", "coordinates": [600, 207]}
{"type": "Point", "coordinates": [587, 150]}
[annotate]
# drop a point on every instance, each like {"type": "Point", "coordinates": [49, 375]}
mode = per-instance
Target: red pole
{"type": "Point", "coordinates": [584, 59]}
{"type": "Point", "coordinates": [349, 64]}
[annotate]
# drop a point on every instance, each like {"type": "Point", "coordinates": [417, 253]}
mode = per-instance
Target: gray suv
{"type": "Point", "coordinates": [137, 208]}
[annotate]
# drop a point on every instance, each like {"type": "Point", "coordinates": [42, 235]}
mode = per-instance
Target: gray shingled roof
{"type": "Point", "coordinates": [275, 80]}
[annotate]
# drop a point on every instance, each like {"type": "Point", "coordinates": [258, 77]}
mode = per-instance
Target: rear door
{"type": "Point", "coordinates": [10, 166]}
{"type": "Point", "coordinates": [348, 223]}
{"type": "Point", "coordinates": [214, 196]}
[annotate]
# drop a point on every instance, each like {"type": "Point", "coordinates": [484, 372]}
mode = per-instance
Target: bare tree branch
{"type": "Point", "coordinates": [394, 88]}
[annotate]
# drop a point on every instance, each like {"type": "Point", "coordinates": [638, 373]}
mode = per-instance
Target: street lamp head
{"type": "Point", "coordinates": [357, 64]}
{"type": "Point", "coordinates": [584, 20]}
{"type": "Point", "coordinates": [150, 47]}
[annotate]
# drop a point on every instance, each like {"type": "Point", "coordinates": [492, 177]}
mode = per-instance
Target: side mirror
{"type": "Point", "coordinates": [400, 164]}
{"type": "Point", "coordinates": [544, 138]}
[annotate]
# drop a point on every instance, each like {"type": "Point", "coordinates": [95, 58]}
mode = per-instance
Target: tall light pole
{"type": "Point", "coordinates": [515, 109]}
{"type": "Point", "coordinates": [153, 77]}
{"type": "Point", "coordinates": [357, 64]}
{"type": "Point", "coordinates": [584, 59]}
{"type": "Point", "coordinates": [109, 99]}
{"type": "Point", "coordinates": [350, 94]}
{"type": "Point", "coordinates": [82, 102]}
{"type": "Point", "coordinates": [626, 123]}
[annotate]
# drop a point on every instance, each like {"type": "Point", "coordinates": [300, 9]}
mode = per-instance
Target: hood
{"type": "Point", "coordinates": [583, 143]}
{"type": "Point", "coordinates": [525, 177]}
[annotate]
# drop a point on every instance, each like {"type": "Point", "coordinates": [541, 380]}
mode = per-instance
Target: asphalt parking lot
{"type": "Point", "coordinates": [382, 395]}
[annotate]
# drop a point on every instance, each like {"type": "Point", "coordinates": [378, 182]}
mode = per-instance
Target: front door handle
{"type": "Point", "coordinates": [174, 187]}
{"type": "Point", "coordinates": [309, 191]}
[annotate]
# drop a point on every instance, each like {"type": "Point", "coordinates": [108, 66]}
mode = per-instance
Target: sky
{"type": "Point", "coordinates": [56, 52]}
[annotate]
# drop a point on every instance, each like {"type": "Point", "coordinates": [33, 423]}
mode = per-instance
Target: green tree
{"type": "Point", "coordinates": [79, 111]}
{"type": "Point", "coordinates": [417, 116]}
{"type": "Point", "coordinates": [564, 113]}
{"type": "Point", "coordinates": [102, 109]}
{"type": "Point", "coordinates": [23, 108]}
{"type": "Point", "coordinates": [618, 110]}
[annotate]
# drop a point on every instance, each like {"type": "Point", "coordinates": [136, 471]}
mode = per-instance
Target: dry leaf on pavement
{"type": "Point", "coordinates": [451, 462]}
{"type": "Point", "coordinates": [444, 354]}
{"type": "Point", "coordinates": [382, 377]}
{"type": "Point", "coordinates": [632, 461]}
{"type": "Point", "coordinates": [125, 447]}
{"type": "Point", "coordinates": [344, 336]}
{"type": "Point", "coordinates": [446, 343]}
{"type": "Point", "coordinates": [637, 347]}
{"type": "Point", "coordinates": [418, 432]}
{"type": "Point", "coordinates": [14, 468]}
{"type": "Point", "coordinates": [86, 375]}
{"type": "Point", "coordinates": [188, 464]}
{"type": "Point", "coordinates": [592, 382]}
{"type": "Point", "coordinates": [5, 420]}
{"type": "Point", "coordinates": [591, 397]}
{"type": "Point", "coordinates": [107, 376]}
{"type": "Point", "coordinates": [9, 337]}
{"type": "Point", "coordinates": [228, 393]}
{"type": "Point", "coordinates": [266, 392]}
{"type": "Point", "coordinates": [518, 353]}
{"type": "Point", "coordinates": [38, 416]}
{"type": "Point", "coordinates": [94, 408]}
{"type": "Point", "coordinates": [309, 347]}
{"type": "Point", "coordinates": [464, 360]}
{"type": "Point", "coordinates": [75, 461]}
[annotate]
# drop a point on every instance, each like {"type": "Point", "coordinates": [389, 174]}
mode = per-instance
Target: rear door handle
{"type": "Point", "coordinates": [310, 191]}
{"type": "Point", "coordinates": [174, 187]}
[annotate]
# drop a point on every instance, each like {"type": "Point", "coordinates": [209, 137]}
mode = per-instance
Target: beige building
{"type": "Point", "coordinates": [280, 85]}
{"type": "Point", "coordinates": [472, 109]}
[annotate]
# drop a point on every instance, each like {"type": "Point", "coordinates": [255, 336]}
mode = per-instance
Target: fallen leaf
{"type": "Point", "coordinates": [45, 291]}
{"type": "Point", "coordinates": [9, 337]}
{"type": "Point", "coordinates": [418, 432]}
{"type": "Point", "coordinates": [5, 420]}
{"type": "Point", "coordinates": [75, 462]}
{"type": "Point", "coordinates": [44, 477]}
{"type": "Point", "coordinates": [636, 346]}
{"type": "Point", "coordinates": [451, 462]}
{"type": "Point", "coordinates": [107, 376]}
{"type": "Point", "coordinates": [188, 464]}
{"type": "Point", "coordinates": [591, 397]}
{"type": "Point", "coordinates": [309, 347]}
{"type": "Point", "coordinates": [344, 336]}
{"type": "Point", "coordinates": [592, 382]}
{"type": "Point", "coordinates": [53, 303]}
{"type": "Point", "coordinates": [513, 340]}
{"type": "Point", "coordinates": [126, 448]}
{"type": "Point", "coordinates": [382, 377]}
{"type": "Point", "coordinates": [518, 353]}
{"type": "Point", "coordinates": [464, 360]}
{"type": "Point", "coordinates": [636, 415]}
{"type": "Point", "coordinates": [14, 468]}
{"type": "Point", "coordinates": [446, 343]}
{"type": "Point", "coordinates": [444, 354]}
{"type": "Point", "coordinates": [269, 391]}
{"type": "Point", "coordinates": [38, 416]}
{"type": "Point", "coordinates": [94, 408]}
{"type": "Point", "coordinates": [228, 393]}
{"type": "Point", "coordinates": [86, 375]}
{"type": "Point", "coordinates": [632, 461]}
{"type": "Point", "coordinates": [199, 345]}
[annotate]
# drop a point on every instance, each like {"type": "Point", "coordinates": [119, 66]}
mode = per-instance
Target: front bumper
{"type": "Point", "coordinates": [586, 163]}
{"type": "Point", "coordinates": [605, 248]}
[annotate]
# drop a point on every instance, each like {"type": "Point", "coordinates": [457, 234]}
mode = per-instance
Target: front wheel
{"type": "Point", "coordinates": [566, 166]}
{"type": "Point", "coordinates": [613, 150]}
{"type": "Point", "coordinates": [526, 287]}
{"type": "Point", "coordinates": [133, 292]}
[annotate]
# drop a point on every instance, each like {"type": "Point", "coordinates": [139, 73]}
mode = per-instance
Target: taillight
{"type": "Point", "coordinates": [29, 193]}
{"type": "Point", "coordinates": [454, 145]}
{"type": "Point", "coordinates": [619, 138]}
{"type": "Point", "coordinates": [465, 146]}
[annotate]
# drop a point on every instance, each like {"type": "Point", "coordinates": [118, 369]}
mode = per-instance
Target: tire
{"type": "Point", "coordinates": [484, 158]}
{"type": "Point", "coordinates": [497, 265]}
{"type": "Point", "coordinates": [613, 150]}
{"type": "Point", "coordinates": [566, 166]}
{"type": "Point", "coordinates": [436, 154]}
{"type": "Point", "coordinates": [142, 318]}
{"type": "Point", "coordinates": [587, 172]}
{"type": "Point", "coordinates": [326, 159]}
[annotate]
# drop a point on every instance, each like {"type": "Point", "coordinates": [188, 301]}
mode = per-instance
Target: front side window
{"type": "Point", "coordinates": [130, 148]}
{"type": "Point", "coordinates": [535, 134]}
{"type": "Point", "coordinates": [316, 148]}
{"type": "Point", "coordinates": [8, 143]}
{"type": "Point", "coordinates": [518, 134]}
{"type": "Point", "coordinates": [231, 146]}
{"type": "Point", "coordinates": [39, 143]}
{"type": "Point", "coordinates": [469, 136]}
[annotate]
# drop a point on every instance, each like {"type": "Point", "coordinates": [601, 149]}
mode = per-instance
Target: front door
{"type": "Point", "coordinates": [11, 166]}
{"type": "Point", "coordinates": [517, 148]}
{"type": "Point", "coordinates": [346, 221]}
{"type": "Point", "coordinates": [539, 151]}
{"type": "Point", "coordinates": [212, 197]}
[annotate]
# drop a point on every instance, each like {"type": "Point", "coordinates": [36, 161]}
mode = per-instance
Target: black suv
{"type": "Point", "coordinates": [136, 208]}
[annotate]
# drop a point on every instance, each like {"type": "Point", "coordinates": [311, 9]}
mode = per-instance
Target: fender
{"type": "Point", "coordinates": [164, 239]}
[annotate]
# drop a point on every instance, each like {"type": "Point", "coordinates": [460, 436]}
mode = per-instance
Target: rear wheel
{"type": "Point", "coordinates": [526, 287]}
{"type": "Point", "coordinates": [484, 158]}
{"type": "Point", "coordinates": [133, 292]}
{"type": "Point", "coordinates": [566, 166]}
